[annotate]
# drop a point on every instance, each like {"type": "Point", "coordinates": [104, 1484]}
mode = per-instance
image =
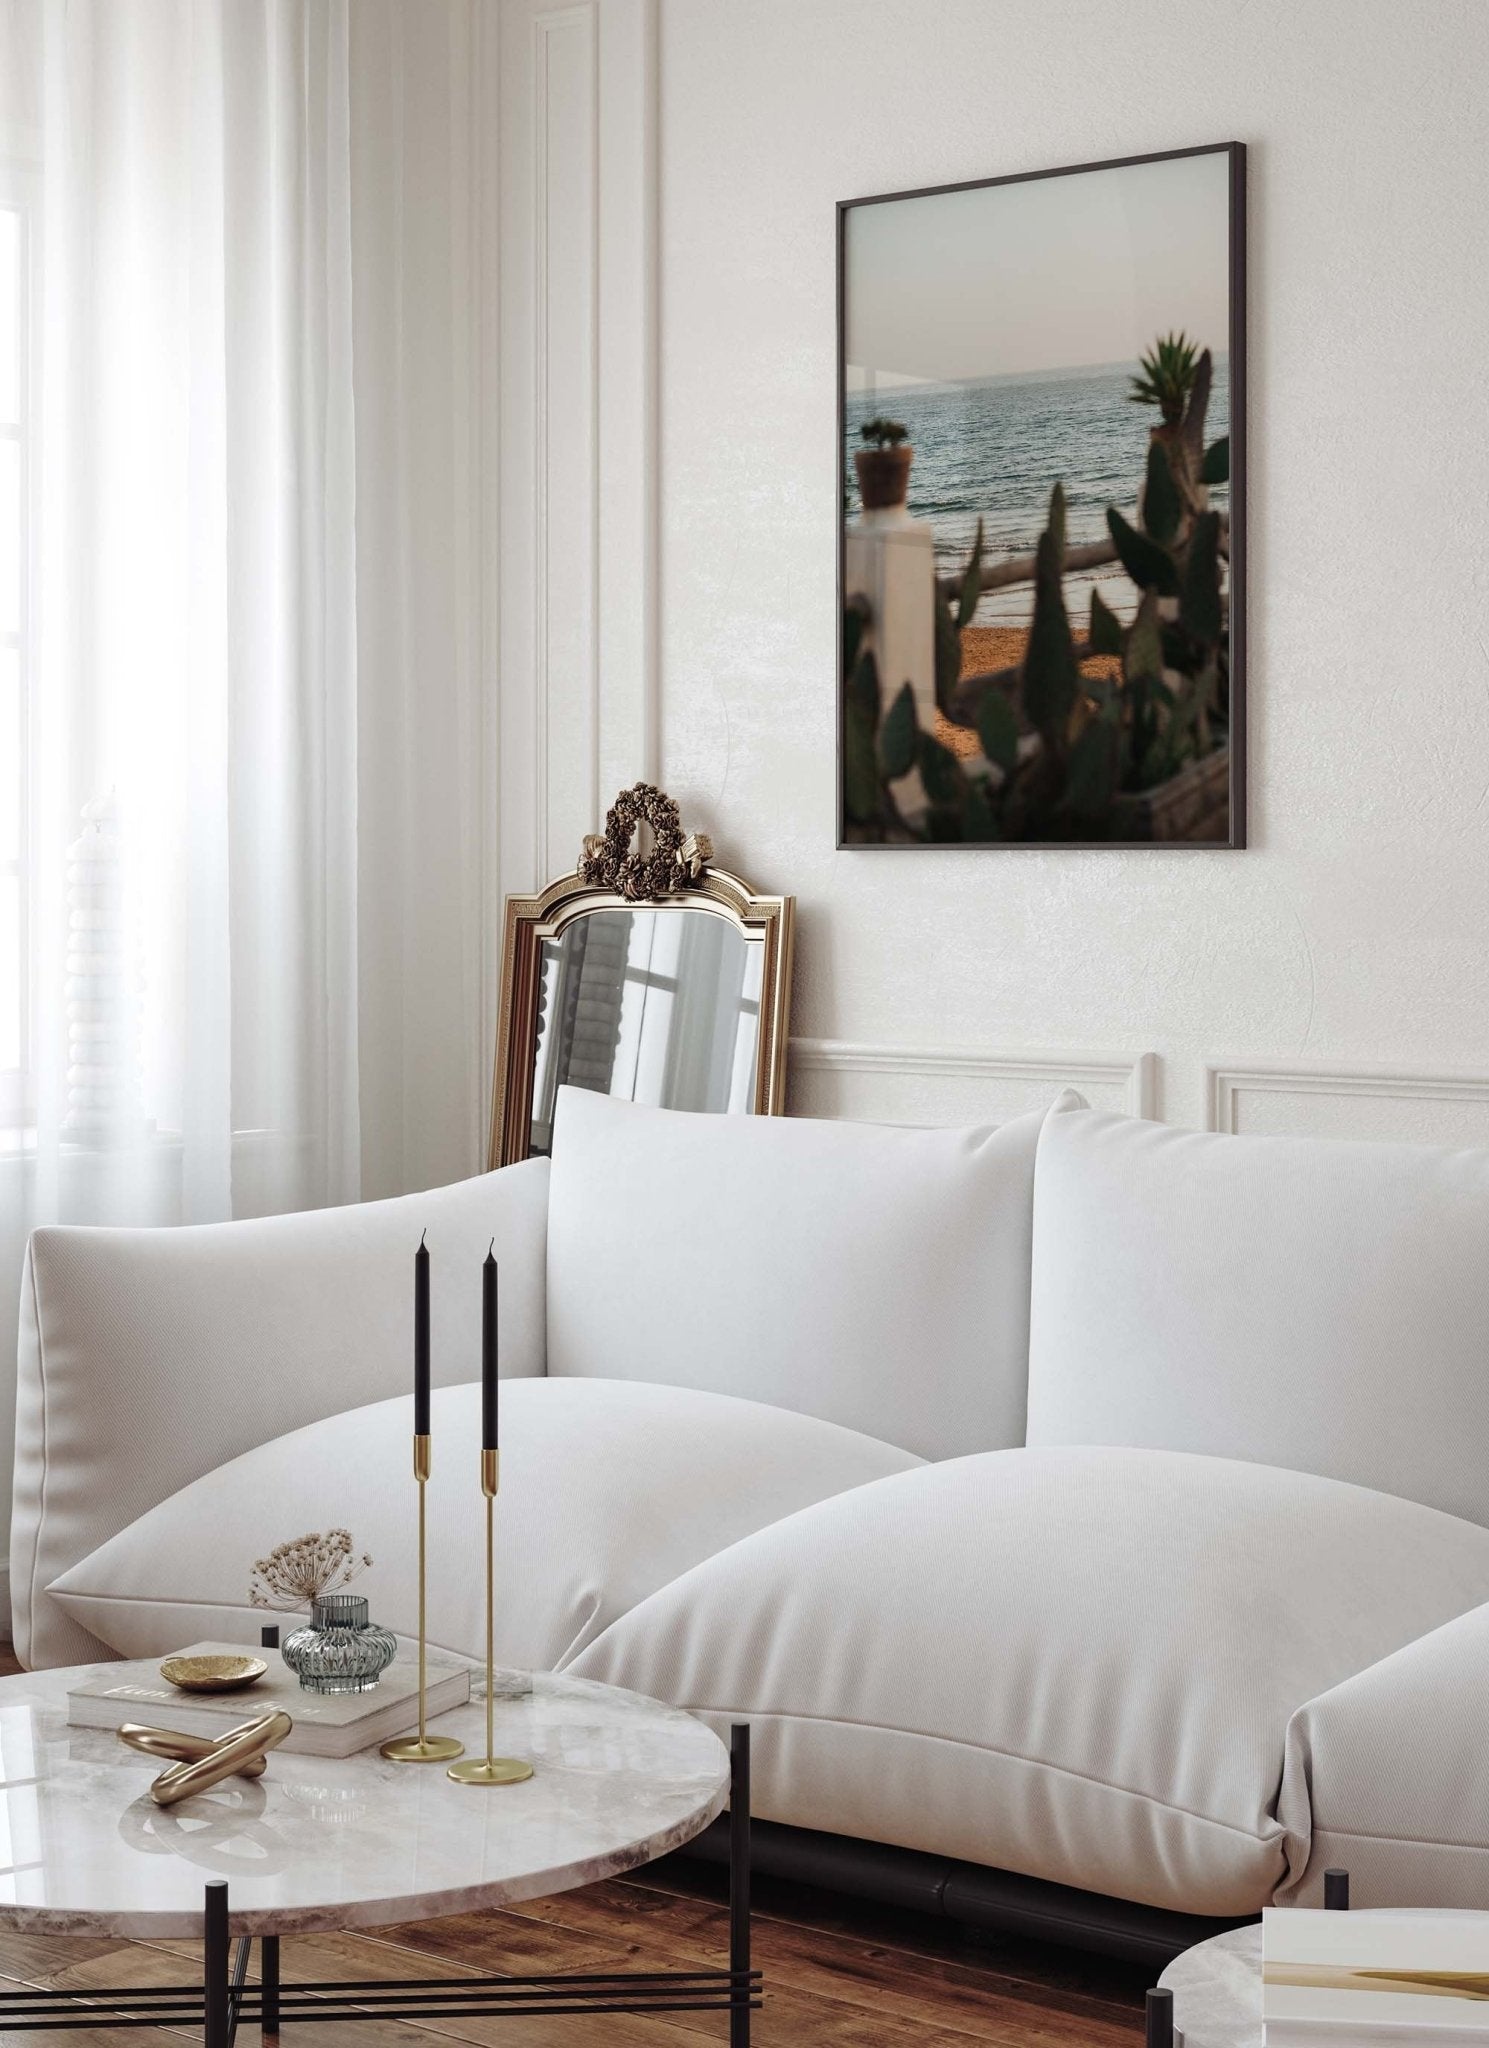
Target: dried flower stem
{"type": "Point", "coordinates": [295, 1573]}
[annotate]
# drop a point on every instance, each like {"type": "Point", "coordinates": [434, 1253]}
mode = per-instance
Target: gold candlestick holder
{"type": "Point", "coordinates": [490, 1769]}
{"type": "Point", "coordinates": [422, 1748]}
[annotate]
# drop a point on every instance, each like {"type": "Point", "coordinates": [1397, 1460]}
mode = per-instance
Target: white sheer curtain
{"type": "Point", "coordinates": [255, 846]}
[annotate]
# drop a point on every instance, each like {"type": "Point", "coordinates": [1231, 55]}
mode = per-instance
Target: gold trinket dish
{"type": "Point", "coordinates": [212, 1674]}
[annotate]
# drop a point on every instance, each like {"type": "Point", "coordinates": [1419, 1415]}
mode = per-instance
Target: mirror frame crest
{"type": "Point", "coordinates": [530, 920]}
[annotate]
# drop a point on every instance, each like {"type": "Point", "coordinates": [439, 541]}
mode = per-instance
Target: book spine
{"type": "Point", "coordinates": [85, 1713]}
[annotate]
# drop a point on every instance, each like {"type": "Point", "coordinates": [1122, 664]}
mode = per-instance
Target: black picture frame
{"type": "Point", "coordinates": [1235, 153]}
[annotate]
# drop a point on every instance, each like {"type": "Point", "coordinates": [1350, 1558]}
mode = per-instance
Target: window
{"type": "Point", "coordinates": [15, 649]}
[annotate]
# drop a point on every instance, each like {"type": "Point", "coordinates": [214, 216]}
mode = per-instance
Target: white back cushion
{"type": "Point", "coordinates": [608, 1491]}
{"type": "Point", "coordinates": [875, 1277]}
{"type": "Point", "coordinates": [147, 1357]}
{"type": "Point", "coordinates": [1314, 1303]}
{"type": "Point", "coordinates": [1079, 1664]}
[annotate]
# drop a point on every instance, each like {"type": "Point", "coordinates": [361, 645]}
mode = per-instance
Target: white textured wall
{"type": "Point", "coordinates": [1352, 934]}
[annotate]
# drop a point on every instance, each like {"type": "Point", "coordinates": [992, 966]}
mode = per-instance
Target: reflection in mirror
{"type": "Point", "coordinates": [660, 1006]}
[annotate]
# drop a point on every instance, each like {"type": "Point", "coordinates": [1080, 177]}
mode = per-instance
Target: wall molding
{"type": "Point", "coordinates": [651, 341]}
{"type": "Point", "coordinates": [1226, 1082]}
{"type": "Point", "coordinates": [485, 243]}
{"type": "Point", "coordinates": [1134, 1073]}
{"type": "Point", "coordinates": [628, 501]}
{"type": "Point", "coordinates": [575, 504]}
{"type": "Point", "coordinates": [578, 679]}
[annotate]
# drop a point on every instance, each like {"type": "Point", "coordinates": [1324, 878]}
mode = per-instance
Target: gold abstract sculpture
{"type": "Point", "coordinates": [201, 1761]}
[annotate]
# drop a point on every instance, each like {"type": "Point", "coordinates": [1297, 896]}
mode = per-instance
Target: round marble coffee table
{"type": "Point", "coordinates": [1217, 1989]}
{"type": "Point", "coordinates": [318, 1843]}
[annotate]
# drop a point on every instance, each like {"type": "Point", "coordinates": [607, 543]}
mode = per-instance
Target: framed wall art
{"type": "Point", "coordinates": [1041, 443]}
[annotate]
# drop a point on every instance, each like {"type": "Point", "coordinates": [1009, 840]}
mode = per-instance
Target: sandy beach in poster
{"type": "Point", "coordinates": [987, 649]}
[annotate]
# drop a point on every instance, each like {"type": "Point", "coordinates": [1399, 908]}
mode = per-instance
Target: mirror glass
{"type": "Point", "coordinates": [660, 1006]}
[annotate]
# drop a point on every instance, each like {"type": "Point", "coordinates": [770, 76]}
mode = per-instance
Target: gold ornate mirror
{"type": "Point", "coordinates": [646, 974]}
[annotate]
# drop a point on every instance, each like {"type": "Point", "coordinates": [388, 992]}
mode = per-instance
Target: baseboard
{"type": "Point", "coordinates": [967, 1893]}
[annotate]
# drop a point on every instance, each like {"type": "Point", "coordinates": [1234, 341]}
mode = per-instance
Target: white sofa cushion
{"type": "Point", "coordinates": [1313, 1303]}
{"type": "Point", "coordinates": [147, 1357]}
{"type": "Point", "coordinates": [608, 1490]}
{"type": "Point", "coordinates": [1078, 1664]}
{"type": "Point", "coordinates": [1387, 1776]}
{"type": "Point", "coordinates": [877, 1277]}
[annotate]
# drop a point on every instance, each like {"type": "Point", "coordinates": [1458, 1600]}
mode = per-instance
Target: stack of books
{"type": "Point", "coordinates": [1361, 1979]}
{"type": "Point", "coordinates": [326, 1724]}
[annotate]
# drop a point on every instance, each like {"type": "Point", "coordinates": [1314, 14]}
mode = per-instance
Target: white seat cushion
{"type": "Point", "coordinates": [1316, 1303]}
{"type": "Point", "coordinates": [878, 1277]}
{"type": "Point", "coordinates": [607, 1492]}
{"type": "Point", "coordinates": [1079, 1664]}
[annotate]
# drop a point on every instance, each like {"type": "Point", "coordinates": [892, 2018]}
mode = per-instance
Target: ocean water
{"type": "Point", "coordinates": [996, 447]}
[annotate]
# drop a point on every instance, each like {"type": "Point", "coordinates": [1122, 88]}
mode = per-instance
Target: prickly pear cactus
{"type": "Point", "coordinates": [1061, 747]}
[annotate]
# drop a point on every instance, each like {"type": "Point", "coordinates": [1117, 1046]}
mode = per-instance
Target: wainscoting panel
{"type": "Point", "coordinates": [933, 1085]}
{"type": "Point", "coordinates": [1324, 1102]}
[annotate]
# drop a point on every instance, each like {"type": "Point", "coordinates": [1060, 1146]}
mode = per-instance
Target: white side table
{"type": "Point", "coordinates": [1217, 1985]}
{"type": "Point", "coordinates": [360, 1842]}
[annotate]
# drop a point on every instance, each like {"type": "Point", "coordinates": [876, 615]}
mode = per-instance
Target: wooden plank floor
{"type": "Point", "coordinates": [837, 1973]}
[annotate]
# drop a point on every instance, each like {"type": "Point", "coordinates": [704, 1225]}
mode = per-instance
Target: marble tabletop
{"type": "Point", "coordinates": [1217, 1989]}
{"type": "Point", "coordinates": [321, 1843]}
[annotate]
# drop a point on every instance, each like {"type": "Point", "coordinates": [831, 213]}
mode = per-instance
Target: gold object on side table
{"type": "Point", "coordinates": [422, 1748]}
{"type": "Point", "coordinates": [202, 1761]}
{"type": "Point", "coordinates": [212, 1674]}
{"type": "Point", "coordinates": [490, 1769]}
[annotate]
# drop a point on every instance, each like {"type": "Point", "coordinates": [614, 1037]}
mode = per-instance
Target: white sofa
{"type": "Point", "coordinates": [1084, 1499]}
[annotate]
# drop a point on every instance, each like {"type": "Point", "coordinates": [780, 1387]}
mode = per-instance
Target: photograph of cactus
{"type": "Point", "coordinates": [1041, 411]}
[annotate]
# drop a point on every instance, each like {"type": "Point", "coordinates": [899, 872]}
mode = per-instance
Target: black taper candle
{"type": "Point", "coordinates": [488, 1350]}
{"type": "Point", "coordinates": [421, 1340]}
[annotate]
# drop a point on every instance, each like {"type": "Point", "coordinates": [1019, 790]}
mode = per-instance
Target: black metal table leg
{"type": "Point", "coordinates": [269, 1986]}
{"type": "Point", "coordinates": [215, 2001]}
{"type": "Point", "coordinates": [739, 1886]}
